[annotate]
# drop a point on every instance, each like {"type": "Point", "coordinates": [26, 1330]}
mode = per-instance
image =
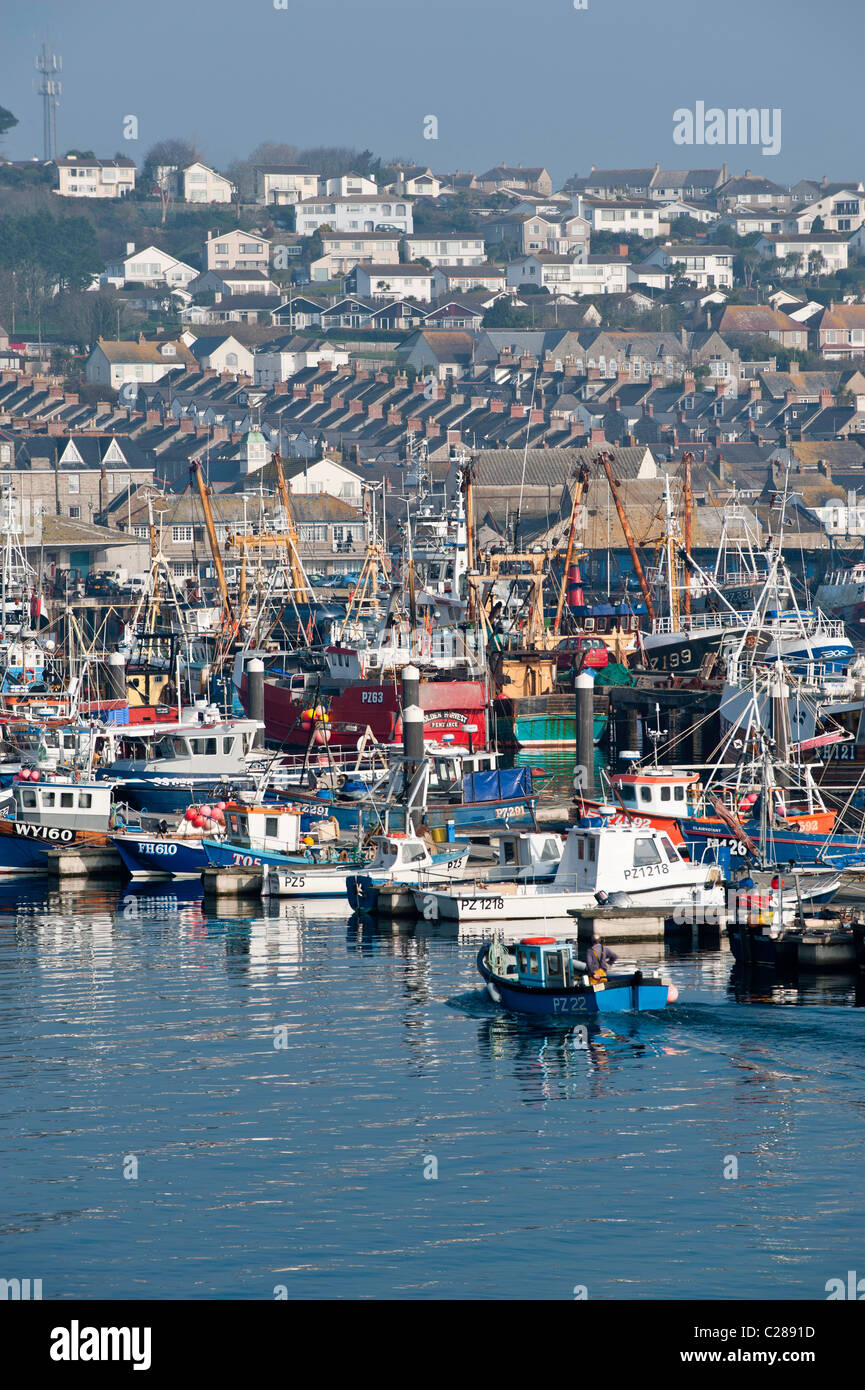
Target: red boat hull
{"type": "Point", "coordinates": [454, 713]}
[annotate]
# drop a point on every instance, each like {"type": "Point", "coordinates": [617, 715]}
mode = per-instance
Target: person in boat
{"type": "Point", "coordinates": [598, 957]}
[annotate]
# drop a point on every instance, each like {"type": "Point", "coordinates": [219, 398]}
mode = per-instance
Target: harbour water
{"type": "Point", "coordinates": [206, 1104]}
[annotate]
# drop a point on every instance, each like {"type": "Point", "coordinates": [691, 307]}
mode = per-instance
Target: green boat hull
{"type": "Point", "coordinates": [543, 730]}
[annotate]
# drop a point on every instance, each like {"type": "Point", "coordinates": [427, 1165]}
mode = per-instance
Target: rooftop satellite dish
{"type": "Point", "coordinates": [128, 394]}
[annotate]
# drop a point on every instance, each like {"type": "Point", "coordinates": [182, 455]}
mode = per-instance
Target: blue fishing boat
{"type": "Point", "coordinates": [163, 856]}
{"type": "Point", "coordinates": [543, 975]}
{"type": "Point", "coordinates": [271, 835]}
{"type": "Point", "coordinates": [163, 769]}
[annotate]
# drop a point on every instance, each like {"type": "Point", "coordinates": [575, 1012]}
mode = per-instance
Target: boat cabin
{"type": "Point", "coordinates": [398, 852]}
{"type": "Point", "coordinates": [198, 748]}
{"type": "Point", "coordinates": [547, 964]}
{"type": "Point", "coordinates": [275, 829]}
{"type": "Point", "coordinates": [655, 793]}
{"type": "Point", "coordinates": [600, 857]}
{"type": "Point", "coordinates": [63, 803]}
{"type": "Point", "coordinates": [527, 855]}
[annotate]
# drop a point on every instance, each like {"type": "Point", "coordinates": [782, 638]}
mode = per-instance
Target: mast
{"type": "Point", "coordinates": [605, 459]}
{"type": "Point", "coordinates": [195, 470]}
{"type": "Point", "coordinates": [687, 460]}
{"type": "Point", "coordinates": [579, 491]}
{"type": "Point", "coordinates": [298, 575]}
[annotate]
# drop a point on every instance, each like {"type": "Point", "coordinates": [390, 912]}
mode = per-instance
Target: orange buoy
{"type": "Point", "coordinates": [672, 994]}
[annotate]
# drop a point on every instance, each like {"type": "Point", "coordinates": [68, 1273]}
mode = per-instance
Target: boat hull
{"type": "Point", "coordinates": [617, 994]}
{"type": "Point", "coordinates": [160, 856]}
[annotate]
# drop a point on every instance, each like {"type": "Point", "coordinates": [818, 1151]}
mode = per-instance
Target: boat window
{"type": "Point", "coordinates": [670, 850]}
{"type": "Point", "coordinates": [533, 963]}
{"type": "Point", "coordinates": [679, 793]}
{"type": "Point", "coordinates": [271, 825]}
{"type": "Point", "coordinates": [85, 800]}
{"type": "Point", "coordinates": [646, 852]}
{"type": "Point", "coordinates": [522, 961]}
{"type": "Point", "coordinates": [665, 793]}
{"type": "Point", "coordinates": [554, 963]}
{"type": "Point", "coordinates": [228, 745]}
{"type": "Point", "coordinates": [628, 792]}
{"type": "Point", "coordinates": [645, 793]}
{"type": "Point", "coordinates": [29, 800]}
{"type": "Point", "coordinates": [592, 851]}
{"type": "Point", "coordinates": [413, 853]}
{"type": "Point", "coordinates": [47, 798]}
{"type": "Point", "coordinates": [581, 849]}
{"type": "Point", "coordinates": [508, 848]}
{"type": "Point", "coordinates": [67, 798]}
{"type": "Point", "coordinates": [177, 745]}
{"type": "Point", "coordinates": [551, 849]}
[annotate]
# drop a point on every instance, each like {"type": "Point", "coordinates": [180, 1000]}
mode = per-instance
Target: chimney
{"type": "Point", "coordinates": [187, 424]}
{"type": "Point", "coordinates": [536, 417]}
{"type": "Point", "coordinates": [754, 389]}
{"type": "Point", "coordinates": [648, 408]}
{"type": "Point", "coordinates": [824, 468]}
{"type": "Point", "coordinates": [826, 398]}
{"type": "Point", "coordinates": [790, 397]}
{"type": "Point", "coordinates": [418, 388]}
{"type": "Point", "coordinates": [518, 412]}
{"type": "Point", "coordinates": [622, 376]}
{"type": "Point", "coordinates": [394, 416]}
{"type": "Point", "coordinates": [152, 417]}
{"type": "Point", "coordinates": [298, 393]}
{"type": "Point", "coordinates": [598, 436]}
{"type": "Point", "coordinates": [497, 406]}
{"type": "Point", "coordinates": [280, 388]}
{"type": "Point", "coordinates": [374, 412]}
{"type": "Point", "coordinates": [354, 407]}
{"type": "Point", "coordinates": [623, 248]}
{"type": "Point", "coordinates": [130, 248]}
{"type": "Point", "coordinates": [721, 388]}
{"type": "Point", "coordinates": [656, 381]}
{"type": "Point", "coordinates": [683, 334]}
{"type": "Point", "coordinates": [689, 383]}
{"type": "Point", "coordinates": [594, 374]}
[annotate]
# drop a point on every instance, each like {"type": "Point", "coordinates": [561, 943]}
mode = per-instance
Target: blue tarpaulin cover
{"type": "Point", "coordinates": [499, 785]}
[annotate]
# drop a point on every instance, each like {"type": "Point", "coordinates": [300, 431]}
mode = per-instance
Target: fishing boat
{"type": "Point", "coordinates": [599, 860]}
{"type": "Point", "coordinates": [164, 768]}
{"type": "Point", "coordinates": [544, 975]}
{"type": "Point", "coordinates": [522, 856]}
{"type": "Point", "coordinates": [57, 811]}
{"type": "Point", "coordinates": [271, 834]}
{"type": "Point", "coordinates": [399, 859]}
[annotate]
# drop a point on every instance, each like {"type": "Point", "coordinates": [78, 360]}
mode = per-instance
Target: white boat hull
{"type": "Point", "coordinates": [515, 903]}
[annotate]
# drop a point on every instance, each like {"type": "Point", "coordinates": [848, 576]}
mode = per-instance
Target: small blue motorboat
{"type": "Point", "coordinates": [543, 975]}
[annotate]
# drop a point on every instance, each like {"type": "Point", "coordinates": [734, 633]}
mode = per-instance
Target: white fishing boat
{"type": "Point", "coordinates": [601, 864]}
{"type": "Point", "coordinates": [400, 859]}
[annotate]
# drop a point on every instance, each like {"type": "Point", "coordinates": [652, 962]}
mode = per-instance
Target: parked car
{"type": "Point", "coordinates": [103, 584]}
{"type": "Point", "coordinates": [583, 653]}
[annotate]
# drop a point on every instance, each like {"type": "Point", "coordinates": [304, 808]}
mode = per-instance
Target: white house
{"type": "Point", "coordinates": [831, 246]}
{"type": "Point", "coordinates": [95, 178]}
{"type": "Point", "coordinates": [570, 275]}
{"type": "Point", "coordinates": [416, 180]}
{"type": "Point", "coordinates": [203, 185]}
{"type": "Point", "coordinates": [625, 216]}
{"type": "Point", "coordinates": [459, 279]}
{"type": "Point", "coordinates": [285, 184]}
{"type": "Point", "coordinates": [221, 354]}
{"type": "Point", "coordinates": [709, 267]}
{"type": "Point", "coordinates": [373, 281]}
{"type": "Point", "coordinates": [325, 476]}
{"type": "Point", "coordinates": [150, 266]}
{"type": "Point", "coordinates": [114, 363]}
{"type": "Point", "coordinates": [236, 250]}
{"type": "Point", "coordinates": [343, 251]}
{"type": "Point", "coordinates": [279, 360]}
{"type": "Point", "coordinates": [699, 212]}
{"type": "Point", "coordinates": [357, 214]}
{"type": "Point", "coordinates": [350, 186]}
{"type": "Point", "coordinates": [225, 282]}
{"type": "Point", "coordinates": [455, 248]}
{"type": "Point", "coordinates": [842, 210]}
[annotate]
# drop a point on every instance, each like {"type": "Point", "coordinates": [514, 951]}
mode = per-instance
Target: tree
{"type": "Point", "coordinates": [173, 153]}
{"type": "Point", "coordinates": [792, 264]}
{"type": "Point", "coordinates": [816, 265]}
{"type": "Point", "coordinates": [7, 120]}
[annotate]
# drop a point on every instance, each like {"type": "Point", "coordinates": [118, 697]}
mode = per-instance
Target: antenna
{"type": "Point", "coordinates": [49, 64]}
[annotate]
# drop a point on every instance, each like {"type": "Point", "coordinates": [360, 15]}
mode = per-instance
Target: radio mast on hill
{"type": "Point", "coordinates": [49, 64]}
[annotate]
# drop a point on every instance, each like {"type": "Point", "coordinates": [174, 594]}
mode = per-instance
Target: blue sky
{"type": "Point", "coordinates": [533, 82]}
